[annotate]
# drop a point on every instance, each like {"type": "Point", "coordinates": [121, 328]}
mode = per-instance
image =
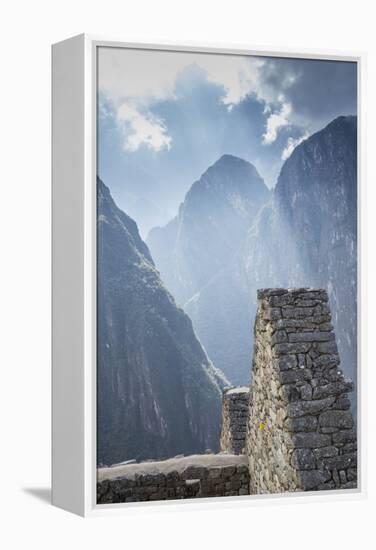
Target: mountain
{"type": "Point", "coordinates": [307, 235]}
{"type": "Point", "coordinates": [197, 254]}
{"type": "Point", "coordinates": [302, 234]}
{"type": "Point", "coordinates": [158, 394]}
{"type": "Point", "coordinates": [210, 226]}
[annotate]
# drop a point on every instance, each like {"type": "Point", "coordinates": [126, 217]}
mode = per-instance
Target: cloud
{"type": "Point", "coordinates": [292, 92]}
{"type": "Point", "coordinates": [164, 117]}
{"type": "Point", "coordinates": [141, 129]}
{"type": "Point", "coordinates": [275, 122]}
{"type": "Point", "coordinates": [239, 76]}
{"type": "Point", "coordinates": [135, 80]}
{"type": "Point", "coordinates": [150, 75]}
{"type": "Point", "coordinates": [318, 90]}
{"type": "Point", "coordinates": [291, 144]}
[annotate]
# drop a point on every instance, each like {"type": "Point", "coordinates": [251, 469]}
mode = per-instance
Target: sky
{"type": "Point", "coordinates": [165, 117]}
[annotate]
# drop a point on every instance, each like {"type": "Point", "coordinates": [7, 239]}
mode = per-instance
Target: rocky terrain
{"type": "Point", "coordinates": [158, 394]}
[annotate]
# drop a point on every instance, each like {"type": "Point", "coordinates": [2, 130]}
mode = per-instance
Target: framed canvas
{"type": "Point", "coordinates": [206, 275]}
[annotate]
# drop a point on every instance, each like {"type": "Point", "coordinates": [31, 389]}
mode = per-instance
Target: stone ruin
{"type": "Point", "coordinates": [235, 412]}
{"type": "Point", "coordinates": [193, 476]}
{"type": "Point", "coordinates": [301, 432]}
{"type": "Point", "coordinates": [291, 430]}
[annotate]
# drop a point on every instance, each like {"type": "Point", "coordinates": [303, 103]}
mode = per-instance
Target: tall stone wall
{"type": "Point", "coordinates": [235, 408]}
{"type": "Point", "coordinates": [301, 432]}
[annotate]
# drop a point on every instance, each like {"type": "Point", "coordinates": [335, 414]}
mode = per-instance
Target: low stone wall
{"type": "Point", "coordinates": [194, 476]}
{"type": "Point", "coordinates": [235, 409]}
{"type": "Point", "coordinates": [300, 432]}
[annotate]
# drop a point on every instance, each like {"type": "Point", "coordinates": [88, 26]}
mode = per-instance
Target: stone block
{"type": "Point", "coordinates": [349, 447]}
{"type": "Point", "coordinates": [340, 462]}
{"type": "Point", "coordinates": [326, 360]}
{"type": "Point", "coordinates": [290, 348]}
{"type": "Point", "coordinates": [319, 294]}
{"type": "Point", "coordinates": [194, 472]}
{"type": "Point", "coordinates": [214, 473]}
{"type": "Point", "coordinates": [285, 362]}
{"type": "Point", "coordinates": [336, 419]}
{"type": "Point", "coordinates": [267, 292]}
{"type": "Point", "coordinates": [332, 389]}
{"type": "Point", "coordinates": [291, 392]}
{"type": "Point", "coordinates": [327, 347]}
{"type": "Point", "coordinates": [301, 408]}
{"type": "Point", "coordinates": [352, 474]}
{"type": "Point", "coordinates": [341, 403]}
{"type": "Point", "coordinates": [342, 477]}
{"type": "Point", "coordinates": [311, 479]}
{"type": "Point", "coordinates": [326, 486]}
{"type": "Point", "coordinates": [302, 424]}
{"type": "Point", "coordinates": [311, 440]}
{"type": "Point", "coordinates": [278, 337]}
{"type": "Point", "coordinates": [281, 300]}
{"type": "Point", "coordinates": [272, 313]}
{"type": "Point", "coordinates": [292, 376]}
{"type": "Point", "coordinates": [344, 436]}
{"type": "Point", "coordinates": [303, 459]}
{"type": "Point", "coordinates": [311, 336]}
{"type": "Point", "coordinates": [306, 392]}
{"type": "Point", "coordinates": [326, 326]}
{"type": "Point", "coordinates": [294, 324]}
{"type": "Point", "coordinates": [291, 312]}
{"type": "Point", "coordinates": [350, 485]}
{"type": "Point", "coordinates": [242, 469]}
{"type": "Point", "coordinates": [326, 452]}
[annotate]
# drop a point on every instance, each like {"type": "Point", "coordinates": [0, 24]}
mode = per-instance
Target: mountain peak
{"type": "Point", "coordinates": [227, 175]}
{"type": "Point", "coordinates": [321, 156]}
{"type": "Point", "coordinates": [210, 227]}
{"type": "Point", "coordinates": [230, 163]}
{"type": "Point", "coordinates": [226, 157]}
{"type": "Point", "coordinates": [342, 120]}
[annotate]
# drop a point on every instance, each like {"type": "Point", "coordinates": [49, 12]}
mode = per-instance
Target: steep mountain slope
{"type": "Point", "coordinates": [307, 235]}
{"type": "Point", "coordinates": [157, 393]}
{"type": "Point", "coordinates": [222, 314]}
{"type": "Point", "coordinates": [210, 226]}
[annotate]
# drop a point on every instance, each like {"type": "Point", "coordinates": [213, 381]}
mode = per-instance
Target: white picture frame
{"type": "Point", "coordinates": [74, 274]}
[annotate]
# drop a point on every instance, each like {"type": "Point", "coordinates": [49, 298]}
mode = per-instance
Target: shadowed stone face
{"type": "Point", "coordinates": [296, 378]}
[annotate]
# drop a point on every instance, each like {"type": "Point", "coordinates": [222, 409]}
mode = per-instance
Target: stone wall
{"type": "Point", "coordinates": [292, 430]}
{"type": "Point", "coordinates": [235, 407]}
{"type": "Point", "coordinates": [194, 476]}
{"type": "Point", "coordinates": [301, 432]}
